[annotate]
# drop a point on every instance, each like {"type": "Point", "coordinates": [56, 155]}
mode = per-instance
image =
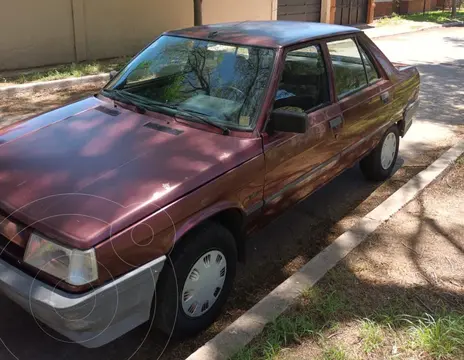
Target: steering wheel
{"type": "Point", "coordinates": [228, 88]}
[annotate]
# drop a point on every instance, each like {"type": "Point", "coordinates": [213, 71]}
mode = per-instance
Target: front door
{"type": "Point", "coordinates": [296, 164]}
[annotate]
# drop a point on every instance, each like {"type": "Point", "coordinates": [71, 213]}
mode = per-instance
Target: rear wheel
{"type": "Point", "coordinates": [195, 285]}
{"type": "Point", "coordinates": [379, 163]}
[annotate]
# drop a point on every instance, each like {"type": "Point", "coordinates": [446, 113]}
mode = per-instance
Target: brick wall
{"type": "Point", "coordinates": [440, 3]}
{"type": "Point", "coordinates": [383, 9]}
{"type": "Point", "coordinates": [386, 8]}
{"type": "Point", "coordinates": [415, 6]}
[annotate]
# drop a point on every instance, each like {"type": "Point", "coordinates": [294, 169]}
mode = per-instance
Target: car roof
{"type": "Point", "coordinates": [263, 33]}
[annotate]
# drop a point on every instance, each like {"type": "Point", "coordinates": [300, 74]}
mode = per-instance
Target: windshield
{"type": "Point", "coordinates": [223, 83]}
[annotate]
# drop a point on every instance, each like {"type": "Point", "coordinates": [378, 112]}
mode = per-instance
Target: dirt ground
{"type": "Point", "coordinates": [26, 105]}
{"type": "Point", "coordinates": [411, 268]}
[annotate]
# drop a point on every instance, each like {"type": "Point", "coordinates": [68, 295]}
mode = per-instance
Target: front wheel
{"type": "Point", "coordinates": [197, 281]}
{"type": "Point", "coordinates": [379, 163]}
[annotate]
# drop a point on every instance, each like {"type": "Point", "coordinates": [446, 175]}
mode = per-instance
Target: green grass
{"type": "Point", "coordinates": [390, 316]}
{"type": "Point", "coordinates": [314, 315]}
{"type": "Point", "coordinates": [69, 70]}
{"type": "Point", "coordinates": [394, 19]}
{"type": "Point", "coordinates": [339, 309]}
{"type": "Point", "coordinates": [440, 337]}
{"type": "Point", "coordinates": [371, 334]}
{"type": "Point", "coordinates": [439, 17]}
{"type": "Point", "coordinates": [334, 353]}
{"type": "Point", "coordinates": [460, 160]}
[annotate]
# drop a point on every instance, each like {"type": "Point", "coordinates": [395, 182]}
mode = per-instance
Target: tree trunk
{"type": "Point", "coordinates": [453, 8]}
{"type": "Point", "coordinates": [197, 20]}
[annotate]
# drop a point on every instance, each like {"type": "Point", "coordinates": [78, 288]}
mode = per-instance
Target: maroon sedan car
{"type": "Point", "coordinates": [134, 204]}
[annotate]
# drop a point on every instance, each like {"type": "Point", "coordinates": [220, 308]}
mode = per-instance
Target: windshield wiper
{"type": "Point", "coordinates": [198, 115]}
{"type": "Point", "coordinates": [121, 97]}
{"type": "Point", "coordinates": [203, 118]}
{"type": "Point", "coordinates": [141, 104]}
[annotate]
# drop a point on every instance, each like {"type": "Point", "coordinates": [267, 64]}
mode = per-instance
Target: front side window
{"type": "Point", "coordinates": [223, 83]}
{"type": "Point", "coordinates": [347, 66]}
{"type": "Point", "coordinates": [304, 83]}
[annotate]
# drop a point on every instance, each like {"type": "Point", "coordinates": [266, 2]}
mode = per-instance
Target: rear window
{"type": "Point", "coordinates": [347, 66]}
{"type": "Point", "coordinates": [304, 83]}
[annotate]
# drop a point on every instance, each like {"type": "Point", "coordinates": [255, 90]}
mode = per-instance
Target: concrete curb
{"type": "Point", "coordinates": [452, 24]}
{"type": "Point", "coordinates": [245, 328]}
{"type": "Point", "coordinates": [54, 84]}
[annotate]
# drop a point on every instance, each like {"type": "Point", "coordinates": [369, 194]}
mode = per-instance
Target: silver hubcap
{"type": "Point", "coordinates": [204, 283]}
{"type": "Point", "coordinates": [388, 151]}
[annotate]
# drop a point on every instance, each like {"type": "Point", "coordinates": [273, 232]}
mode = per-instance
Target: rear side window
{"type": "Point", "coordinates": [348, 67]}
{"type": "Point", "coordinates": [304, 82]}
{"type": "Point", "coordinates": [372, 74]}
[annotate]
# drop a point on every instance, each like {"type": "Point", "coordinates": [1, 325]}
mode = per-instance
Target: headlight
{"type": "Point", "coordinates": [74, 266]}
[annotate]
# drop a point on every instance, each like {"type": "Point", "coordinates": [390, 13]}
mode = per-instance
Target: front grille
{"type": "Point", "coordinates": [13, 254]}
{"type": "Point", "coordinates": [10, 251]}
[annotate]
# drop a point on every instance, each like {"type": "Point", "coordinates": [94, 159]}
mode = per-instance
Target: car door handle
{"type": "Point", "coordinates": [336, 122]}
{"type": "Point", "coordinates": [385, 97]}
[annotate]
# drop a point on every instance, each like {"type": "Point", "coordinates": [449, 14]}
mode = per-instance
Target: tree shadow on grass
{"type": "Point", "coordinates": [319, 321]}
{"type": "Point", "coordinates": [439, 16]}
{"type": "Point", "coordinates": [406, 305]}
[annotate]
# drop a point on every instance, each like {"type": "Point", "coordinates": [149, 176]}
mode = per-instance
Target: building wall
{"type": "Point", "coordinates": [46, 32]}
{"type": "Point", "coordinates": [416, 6]}
{"type": "Point", "coordinates": [443, 4]}
{"type": "Point", "coordinates": [387, 7]}
{"type": "Point", "coordinates": [35, 33]}
{"type": "Point", "coordinates": [120, 27]}
{"type": "Point", "coordinates": [215, 11]}
{"type": "Point", "coordinates": [383, 8]}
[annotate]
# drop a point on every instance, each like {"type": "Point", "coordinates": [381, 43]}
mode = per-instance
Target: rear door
{"type": "Point", "coordinates": [296, 164]}
{"type": "Point", "coordinates": [362, 93]}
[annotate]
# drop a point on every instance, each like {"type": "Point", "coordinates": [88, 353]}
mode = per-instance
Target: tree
{"type": "Point", "coordinates": [197, 13]}
{"type": "Point", "coordinates": [453, 9]}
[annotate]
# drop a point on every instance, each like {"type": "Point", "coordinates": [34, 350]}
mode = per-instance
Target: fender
{"type": "Point", "coordinates": [205, 214]}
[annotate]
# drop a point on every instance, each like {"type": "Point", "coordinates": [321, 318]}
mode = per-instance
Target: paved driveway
{"type": "Point", "coordinates": [282, 247]}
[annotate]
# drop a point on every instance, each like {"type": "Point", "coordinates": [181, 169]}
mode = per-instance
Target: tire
{"type": "Point", "coordinates": [372, 165]}
{"type": "Point", "coordinates": [171, 317]}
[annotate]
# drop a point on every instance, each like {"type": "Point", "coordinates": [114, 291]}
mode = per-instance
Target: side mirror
{"type": "Point", "coordinates": [113, 73]}
{"type": "Point", "coordinates": [288, 121]}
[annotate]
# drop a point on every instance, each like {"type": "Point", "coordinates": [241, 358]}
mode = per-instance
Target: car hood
{"type": "Point", "coordinates": [85, 171]}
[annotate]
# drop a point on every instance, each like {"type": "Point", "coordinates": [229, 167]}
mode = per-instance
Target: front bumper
{"type": "Point", "coordinates": [92, 319]}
